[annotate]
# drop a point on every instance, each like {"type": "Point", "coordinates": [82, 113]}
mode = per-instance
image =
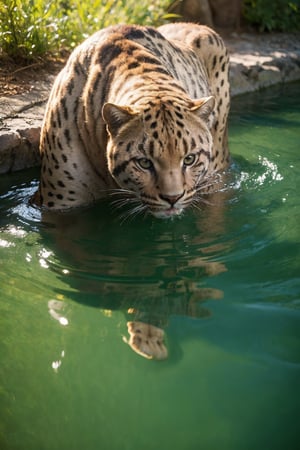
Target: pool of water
{"type": "Point", "coordinates": [224, 284]}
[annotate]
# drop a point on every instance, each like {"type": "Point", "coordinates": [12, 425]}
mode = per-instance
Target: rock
{"type": "Point", "coordinates": [214, 13]}
{"type": "Point", "coordinates": [257, 62]}
{"type": "Point", "coordinates": [20, 125]}
{"type": "Point", "coordinates": [19, 149]}
{"type": "Point", "coordinates": [226, 13]}
{"type": "Point", "coordinates": [193, 11]}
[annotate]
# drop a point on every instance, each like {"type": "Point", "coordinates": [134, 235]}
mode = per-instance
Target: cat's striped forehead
{"type": "Point", "coordinates": [170, 128]}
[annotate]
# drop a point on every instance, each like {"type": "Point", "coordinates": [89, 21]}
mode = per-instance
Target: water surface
{"type": "Point", "coordinates": [223, 283]}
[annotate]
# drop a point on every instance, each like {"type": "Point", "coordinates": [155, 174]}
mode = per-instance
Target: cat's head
{"type": "Point", "coordinates": [159, 155]}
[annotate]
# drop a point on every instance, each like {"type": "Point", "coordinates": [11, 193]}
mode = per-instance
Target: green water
{"type": "Point", "coordinates": [224, 283]}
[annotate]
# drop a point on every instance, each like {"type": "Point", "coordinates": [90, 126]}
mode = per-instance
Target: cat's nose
{"type": "Point", "coordinates": [172, 199]}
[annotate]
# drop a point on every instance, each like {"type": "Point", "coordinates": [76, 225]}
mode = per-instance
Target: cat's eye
{"type": "Point", "coordinates": [189, 159]}
{"type": "Point", "coordinates": [145, 163]}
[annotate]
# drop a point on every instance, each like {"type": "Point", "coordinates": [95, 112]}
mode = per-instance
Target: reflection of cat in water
{"type": "Point", "coordinates": [150, 275]}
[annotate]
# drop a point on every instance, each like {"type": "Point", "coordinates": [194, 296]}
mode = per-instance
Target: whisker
{"type": "Point", "coordinates": [128, 200]}
{"type": "Point", "coordinates": [205, 185]}
{"type": "Point", "coordinates": [198, 202]}
{"type": "Point", "coordinates": [202, 190]}
{"type": "Point", "coordinates": [195, 205]}
{"type": "Point", "coordinates": [200, 199]}
{"type": "Point", "coordinates": [132, 213]}
{"type": "Point", "coordinates": [209, 182]}
{"type": "Point", "coordinates": [121, 202]}
{"type": "Point", "coordinates": [121, 192]}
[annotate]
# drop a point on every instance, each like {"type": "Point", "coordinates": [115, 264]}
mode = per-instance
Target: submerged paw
{"type": "Point", "coordinates": [146, 340]}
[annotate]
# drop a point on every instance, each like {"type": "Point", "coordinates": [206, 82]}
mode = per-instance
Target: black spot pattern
{"type": "Point", "coordinates": [155, 71]}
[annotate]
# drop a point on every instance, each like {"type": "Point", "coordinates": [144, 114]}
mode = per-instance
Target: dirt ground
{"type": "Point", "coordinates": [17, 78]}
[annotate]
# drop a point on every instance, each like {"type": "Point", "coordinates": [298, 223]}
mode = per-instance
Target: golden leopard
{"type": "Point", "coordinates": [138, 114]}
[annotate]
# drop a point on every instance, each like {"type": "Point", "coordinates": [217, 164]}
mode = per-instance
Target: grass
{"type": "Point", "coordinates": [34, 28]}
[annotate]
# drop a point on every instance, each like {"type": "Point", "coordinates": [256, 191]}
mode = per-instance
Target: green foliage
{"type": "Point", "coordinates": [273, 15]}
{"type": "Point", "coordinates": [30, 28]}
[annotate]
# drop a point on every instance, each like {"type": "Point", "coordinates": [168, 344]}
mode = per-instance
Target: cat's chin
{"type": "Point", "coordinates": [169, 213]}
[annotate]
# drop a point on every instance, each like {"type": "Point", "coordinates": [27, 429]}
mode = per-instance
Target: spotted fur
{"type": "Point", "coordinates": [140, 114]}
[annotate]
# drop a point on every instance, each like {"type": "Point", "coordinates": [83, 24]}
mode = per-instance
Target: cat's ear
{"type": "Point", "coordinates": [203, 106]}
{"type": "Point", "coordinates": [116, 116]}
